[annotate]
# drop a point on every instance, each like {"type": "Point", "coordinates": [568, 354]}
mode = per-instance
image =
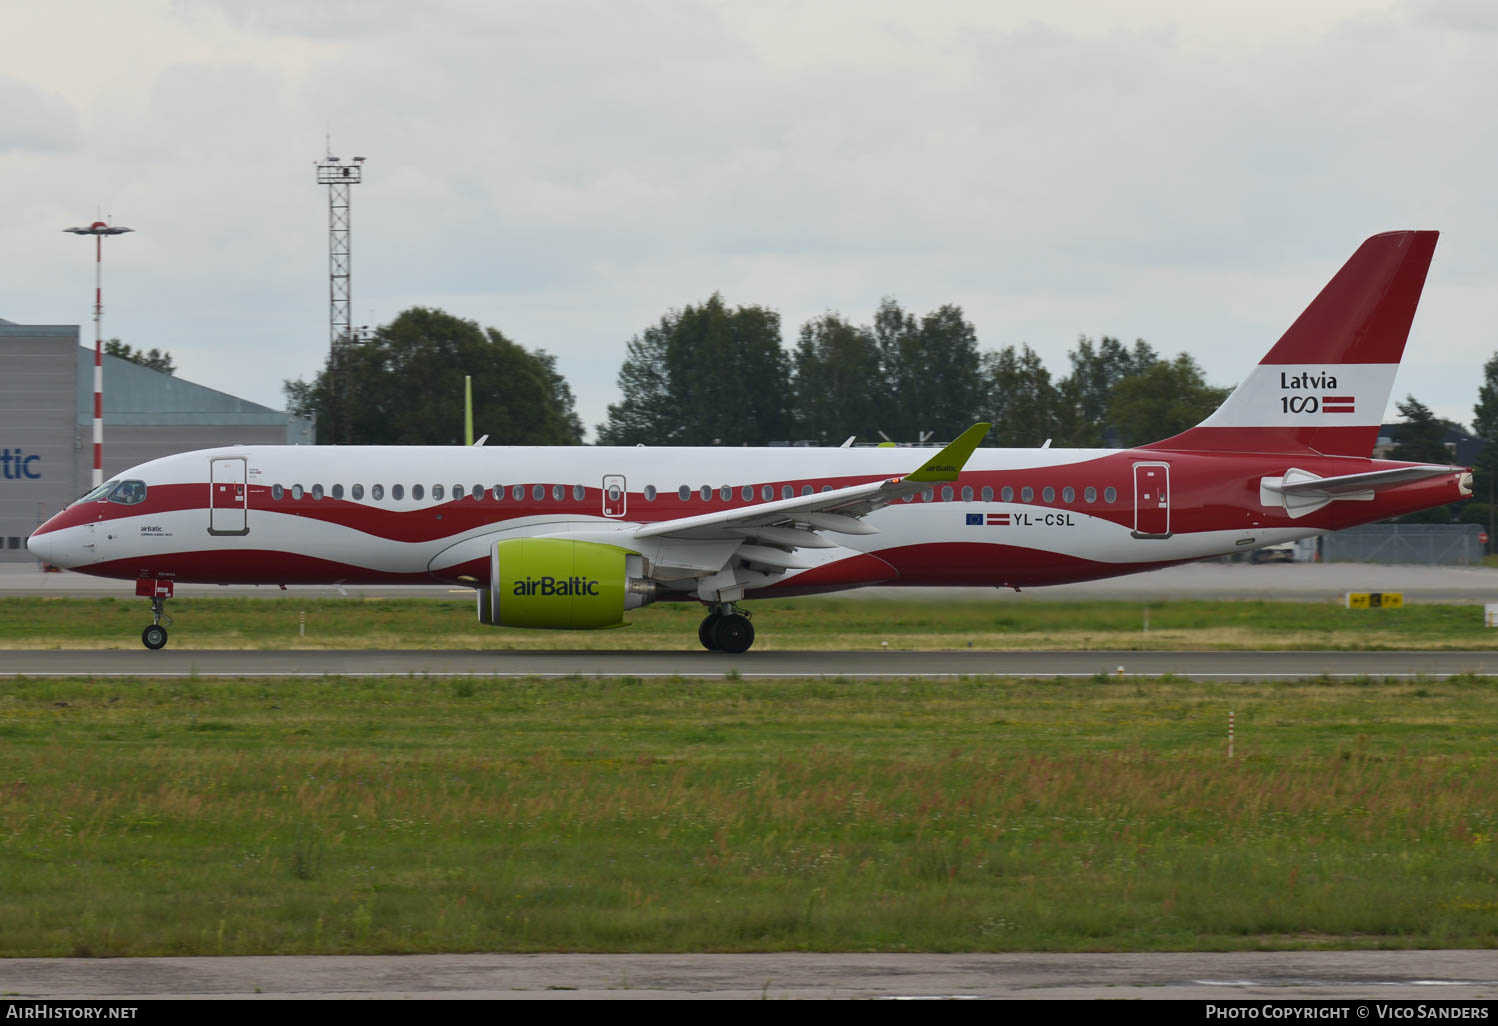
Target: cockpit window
{"type": "Point", "coordinates": [128, 493]}
{"type": "Point", "coordinates": [97, 493]}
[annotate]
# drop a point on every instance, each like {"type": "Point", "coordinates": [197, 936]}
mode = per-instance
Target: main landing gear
{"type": "Point", "coordinates": [154, 636]}
{"type": "Point", "coordinates": [725, 629]}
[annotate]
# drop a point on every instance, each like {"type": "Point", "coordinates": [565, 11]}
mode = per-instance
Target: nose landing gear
{"type": "Point", "coordinates": [725, 629]}
{"type": "Point", "coordinates": [154, 636]}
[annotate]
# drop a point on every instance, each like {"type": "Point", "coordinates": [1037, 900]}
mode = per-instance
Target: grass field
{"type": "Point", "coordinates": [408, 814]}
{"type": "Point", "coordinates": [825, 623]}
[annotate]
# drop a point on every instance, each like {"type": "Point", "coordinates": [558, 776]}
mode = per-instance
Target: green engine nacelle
{"type": "Point", "coordinates": [559, 584]}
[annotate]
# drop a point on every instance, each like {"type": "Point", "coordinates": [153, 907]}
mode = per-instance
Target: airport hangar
{"type": "Point", "coordinates": [46, 423]}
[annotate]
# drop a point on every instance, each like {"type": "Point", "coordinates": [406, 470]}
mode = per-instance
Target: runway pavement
{"type": "Point", "coordinates": [753, 664]}
{"type": "Point", "coordinates": [1350, 976]}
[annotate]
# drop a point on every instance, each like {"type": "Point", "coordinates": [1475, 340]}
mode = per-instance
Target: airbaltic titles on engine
{"type": "Point", "coordinates": [551, 586]}
{"type": "Point", "coordinates": [574, 538]}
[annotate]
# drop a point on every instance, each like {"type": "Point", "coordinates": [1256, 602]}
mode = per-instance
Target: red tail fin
{"type": "Point", "coordinates": [1324, 385]}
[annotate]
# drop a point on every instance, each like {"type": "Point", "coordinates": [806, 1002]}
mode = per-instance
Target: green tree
{"type": "Point", "coordinates": [1164, 399]}
{"type": "Point", "coordinates": [931, 369]}
{"type": "Point", "coordinates": [156, 359]}
{"type": "Point", "coordinates": [404, 386]}
{"type": "Point", "coordinates": [1485, 426]}
{"type": "Point", "coordinates": [1024, 406]}
{"type": "Point", "coordinates": [836, 387]}
{"type": "Point", "coordinates": [1421, 434]}
{"type": "Point", "coordinates": [1096, 370]}
{"type": "Point", "coordinates": [705, 375]}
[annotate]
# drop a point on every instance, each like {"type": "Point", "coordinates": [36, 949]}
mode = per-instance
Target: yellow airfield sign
{"type": "Point", "coordinates": [1375, 600]}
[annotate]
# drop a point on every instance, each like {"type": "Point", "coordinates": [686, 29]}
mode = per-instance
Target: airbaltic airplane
{"type": "Point", "coordinates": [574, 538]}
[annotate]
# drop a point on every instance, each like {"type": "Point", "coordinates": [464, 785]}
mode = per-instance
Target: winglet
{"type": "Point", "coordinates": [945, 465]}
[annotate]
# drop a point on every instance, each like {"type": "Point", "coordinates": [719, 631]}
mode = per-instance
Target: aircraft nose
{"type": "Point", "coordinates": [48, 546]}
{"type": "Point", "coordinates": [41, 546]}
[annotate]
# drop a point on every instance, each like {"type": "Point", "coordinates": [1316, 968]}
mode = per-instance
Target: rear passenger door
{"type": "Point", "coordinates": [228, 496]}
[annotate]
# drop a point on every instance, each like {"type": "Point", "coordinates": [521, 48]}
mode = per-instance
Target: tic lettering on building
{"type": "Point", "coordinates": [16, 465]}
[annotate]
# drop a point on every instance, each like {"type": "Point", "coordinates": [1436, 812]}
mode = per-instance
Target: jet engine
{"type": "Point", "coordinates": [560, 584]}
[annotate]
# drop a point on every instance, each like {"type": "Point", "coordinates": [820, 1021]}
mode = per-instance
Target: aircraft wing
{"type": "Point", "coordinates": [791, 522]}
{"type": "Point", "coordinates": [720, 554]}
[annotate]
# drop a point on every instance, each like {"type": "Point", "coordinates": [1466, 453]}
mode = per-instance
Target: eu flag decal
{"type": "Point", "coordinates": [975, 520]}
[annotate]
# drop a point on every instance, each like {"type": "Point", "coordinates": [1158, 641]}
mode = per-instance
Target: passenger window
{"type": "Point", "coordinates": [558, 493]}
{"type": "Point", "coordinates": [726, 493]}
{"type": "Point", "coordinates": [908, 498]}
{"type": "Point", "coordinates": [1008, 494]}
{"type": "Point", "coordinates": [1026, 494]}
{"type": "Point", "coordinates": [706, 492]}
{"type": "Point", "coordinates": [276, 491]}
{"type": "Point", "coordinates": [397, 492]}
{"type": "Point", "coordinates": [1068, 494]}
{"type": "Point", "coordinates": [478, 491]}
{"type": "Point", "coordinates": [377, 492]}
{"type": "Point", "coordinates": [458, 492]}
{"type": "Point", "coordinates": [987, 494]}
{"type": "Point", "coordinates": [1110, 494]}
{"type": "Point", "coordinates": [499, 493]}
{"type": "Point", "coordinates": [927, 495]}
{"type": "Point", "coordinates": [518, 492]}
{"type": "Point", "coordinates": [787, 492]}
{"type": "Point", "coordinates": [338, 491]}
{"type": "Point", "coordinates": [806, 490]}
{"type": "Point", "coordinates": [826, 488]}
{"type": "Point", "coordinates": [1049, 495]}
{"type": "Point", "coordinates": [767, 492]}
{"type": "Point", "coordinates": [317, 493]}
{"type": "Point", "coordinates": [538, 492]}
{"type": "Point", "coordinates": [967, 493]}
{"type": "Point", "coordinates": [650, 493]}
{"type": "Point", "coordinates": [416, 492]}
{"type": "Point", "coordinates": [683, 493]}
{"type": "Point", "coordinates": [946, 493]}
{"type": "Point", "coordinates": [1090, 494]}
{"type": "Point", "coordinates": [579, 493]}
{"type": "Point", "coordinates": [436, 492]}
{"type": "Point", "coordinates": [296, 492]}
{"type": "Point", "coordinates": [358, 491]}
{"type": "Point", "coordinates": [748, 493]}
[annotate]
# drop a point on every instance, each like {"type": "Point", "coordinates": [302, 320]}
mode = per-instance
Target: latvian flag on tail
{"type": "Point", "coordinates": [1336, 404]}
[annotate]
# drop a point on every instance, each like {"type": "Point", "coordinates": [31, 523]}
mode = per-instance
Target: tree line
{"type": "Point", "coordinates": [712, 374]}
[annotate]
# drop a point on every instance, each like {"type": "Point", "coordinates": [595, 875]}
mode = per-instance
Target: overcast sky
{"type": "Point", "coordinates": [1187, 172]}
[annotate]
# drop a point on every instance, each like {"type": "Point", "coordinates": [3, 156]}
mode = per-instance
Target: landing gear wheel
{"type": "Point", "coordinates": [705, 631]}
{"type": "Point", "coordinates": [154, 637]}
{"type": "Point", "coordinates": [733, 633]}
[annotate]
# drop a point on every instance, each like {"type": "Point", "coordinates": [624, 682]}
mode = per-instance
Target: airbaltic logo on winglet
{"type": "Point", "coordinates": [1313, 403]}
{"type": "Point", "coordinates": [552, 586]}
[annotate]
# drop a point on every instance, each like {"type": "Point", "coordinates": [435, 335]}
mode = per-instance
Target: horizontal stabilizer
{"type": "Point", "coordinates": [1301, 492]}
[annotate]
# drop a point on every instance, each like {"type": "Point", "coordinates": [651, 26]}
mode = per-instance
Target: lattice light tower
{"type": "Point", "coordinates": [339, 178]}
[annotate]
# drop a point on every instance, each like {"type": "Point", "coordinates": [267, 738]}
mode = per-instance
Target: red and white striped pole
{"type": "Point", "coordinates": [98, 230]}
